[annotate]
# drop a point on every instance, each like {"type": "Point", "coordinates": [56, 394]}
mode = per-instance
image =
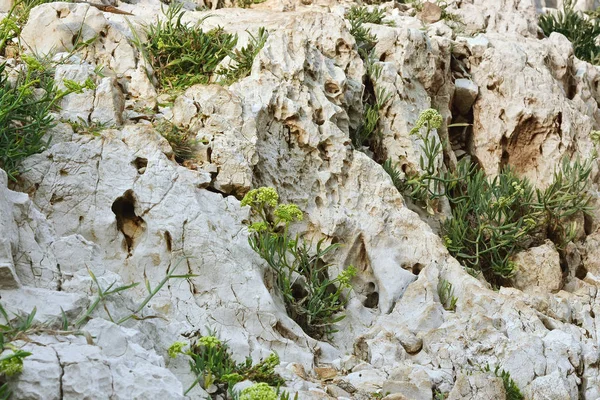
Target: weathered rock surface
{"type": "Point", "coordinates": [118, 205]}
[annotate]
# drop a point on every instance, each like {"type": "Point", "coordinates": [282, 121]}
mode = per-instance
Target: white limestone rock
{"type": "Point", "coordinates": [538, 268]}
{"type": "Point", "coordinates": [480, 386]}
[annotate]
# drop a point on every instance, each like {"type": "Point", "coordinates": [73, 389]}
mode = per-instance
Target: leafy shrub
{"type": "Point", "coordinates": [183, 55]}
{"type": "Point", "coordinates": [12, 363]}
{"type": "Point", "coordinates": [582, 31]}
{"type": "Point", "coordinates": [242, 59]}
{"type": "Point", "coordinates": [511, 388]}
{"type": "Point", "coordinates": [24, 117]}
{"type": "Point", "coordinates": [365, 40]}
{"type": "Point", "coordinates": [183, 143]}
{"type": "Point", "coordinates": [212, 363]}
{"type": "Point", "coordinates": [311, 298]}
{"type": "Point", "coordinates": [494, 219]}
{"type": "Point", "coordinates": [13, 21]}
{"type": "Point", "coordinates": [373, 103]}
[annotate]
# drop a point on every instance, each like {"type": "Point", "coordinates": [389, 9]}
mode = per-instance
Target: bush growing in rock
{"type": "Point", "coordinates": [183, 55]}
{"type": "Point", "coordinates": [212, 363]}
{"type": "Point", "coordinates": [311, 298]}
{"type": "Point", "coordinates": [24, 117]}
{"type": "Point", "coordinates": [242, 59]}
{"type": "Point", "coordinates": [582, 31]}
{"type": "Point", "coordinates": [494, 219]}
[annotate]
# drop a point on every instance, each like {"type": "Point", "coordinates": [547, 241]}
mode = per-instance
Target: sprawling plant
{"type": "Point", "coordinates": [11, 357]}
{"type": "Point", "coordinates": [365, 40]}
{"type": "Point", "coordinates": [493, 219]}
{"type": "Point", "coordinates": [212, 362]}
{"type": "Point", "coordinates": [24, 117]}
{"type": "Point", "coordinates": [311, 298]}
{"type": "Point", "coordinates": [183, 55]}
{"type": "Point", "coordinates": [580, 29]}
{"type": "Point", "coordinates": [242, 59]}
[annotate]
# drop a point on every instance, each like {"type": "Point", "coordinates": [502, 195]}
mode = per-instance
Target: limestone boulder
{"type": "Point", "coordinates": [538, 268]}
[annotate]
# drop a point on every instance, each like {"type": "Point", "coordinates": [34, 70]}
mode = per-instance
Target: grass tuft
{"type": "Point", "coordinates": [183, 55]}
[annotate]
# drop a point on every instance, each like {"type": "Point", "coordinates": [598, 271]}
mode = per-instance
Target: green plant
{"type": "Point", "coordinates": [13, 21]}
{"type": "Point", "coordinates": [12, 363]}
{"type": "Point", "coordinates": [493, 219]}
{"type": "Point", "coordinates": [511, 388]}
{"type": "Point", "coordinates": [248, 3]}
{"type": "Point", "coordinates": [24, 118]}
{"type": "Point", "coordinates": [425, 187]}
{"type": "Point", "coordinates": [103, 295]}
{"type": "Point", "coordinates": [582, 31]}
{"type": "Point", "coordinates": [183, 143]}
{"type": "Point", "coordinates": [26, 103]}
{"type": "Point", "coordinates": [365, 40]}
{"type": "Point", "coordinates": [439, 395]}
{"type": "Point", "coordinates": [446, 293]}
{"type": "Point", "coordinates": [311, 298]}
{"type": "Point", "coordinates": [242, 59]}
{"type": "Point", "coordinates": [259, 391]}
{"type": "Point", "coordinates": [373, 103]}
{"type": "Point", "coordinates": [183, 55]}
{"type": "Point", "coordinates": [212, 363]}
{"type": "Point", "coordinates": [84, 127]}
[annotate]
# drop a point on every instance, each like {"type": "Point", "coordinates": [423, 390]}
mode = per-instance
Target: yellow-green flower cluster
{"type": "Point", "coordinates": [260, 197]}
{"type": "Point", "coordinates": [346, 275]}
{"type": "Point", "coordinates": [259, 391]}
{"type": "Point", "coordinates": [447, 241]}
{"type": "Point", "coordinates": [430, 116]}
{"type": "Point", "coordinates": [288, 213]}
{"type": "Point", "coordinates": [176, 348]}
{"type": "Point", "coordinates": [11, 366]}
{"type": "Point", "coordinates": [232, 378]}
{"type": "Point", "coordinates": [258, 227]}
{"type": "Point", "coordinates": [209, 341]}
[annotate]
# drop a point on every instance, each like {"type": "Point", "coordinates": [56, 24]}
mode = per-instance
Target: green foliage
{"type": "Point", "coordinates": [511, 388]}
{"type": "Point", "coordinates": [212, 363]}
{"type": "Point", "coordinates": [493, 219]}
{"type": "Point", "coordinates": [104, 294]}
{"type": "Point", "coordinates": [24, 118]}
{"type": "Point", "coordinates": [373, 101]}
{"type": "Point", "coordinates": [183, 55]}
{"type": "Point", "coordinates": [27, 99]}
{"type": "Point", "coordinates": [83, 127]}
{"type": "Point", "coordinates": [248, 3]}
{"type": "Point", "coordinates": [12, 23]}
{"type": "Point", "coordinates": [183, 143]}
{"type": "Point", "coordinates": [259, 391]}
{"type": "Point", "coordinates": [12, 363]}
{"type": "Point", "coordinates": [582, 31]}
{"type": "Point", "coordinates": [446, 293]}
{"type": "Point", "coordinates": [365, 40]}
{"type": "Point", "coordinates": [425, 187]}
{"type": "Point", "coordinates": [313, 300]}
{"type": "Point", "coordinates": [242, 59]}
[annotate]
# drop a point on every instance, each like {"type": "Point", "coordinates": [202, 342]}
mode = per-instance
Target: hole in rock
{"type": "Point", "coordinates": [130, 225]}
{"type": "Point", "coordinates": [169, 241]}
{"type": "Point", "coordinates": [581, 272]}
{"type": "Point", "coordinates": [372, 300]}
{"type": "Point", "coordinates": [417, 268]}
{"type": "Point", "coordinates": [140, 164]}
